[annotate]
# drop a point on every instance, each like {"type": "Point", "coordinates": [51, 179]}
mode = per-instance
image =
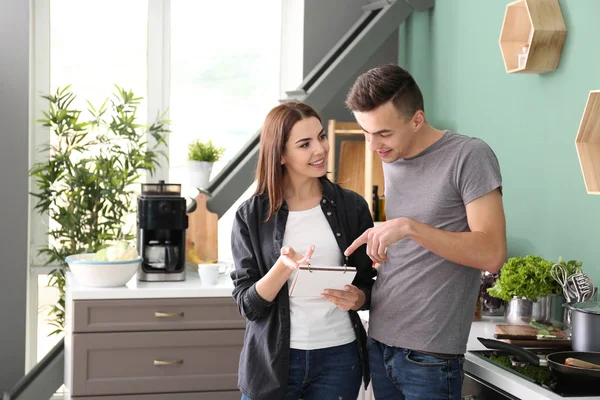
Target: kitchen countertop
{"type": "Point", "coordinates": [193, 287]}
{"type": "Point", "coordinates": [493, 374]}
{"type": "Point", "coordinates": [134, 289]}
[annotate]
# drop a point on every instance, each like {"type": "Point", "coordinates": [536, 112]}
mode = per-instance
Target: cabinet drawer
{"type": "Point", "coordinates": [229, 395]}
{"type": "Point", "coordinates": [156, 314]}
{"type": "Point", "coordinates": [155, 362]}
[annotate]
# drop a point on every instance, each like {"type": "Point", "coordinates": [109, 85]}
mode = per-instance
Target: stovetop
{"type": "Point", "coordinates": [541, 376]}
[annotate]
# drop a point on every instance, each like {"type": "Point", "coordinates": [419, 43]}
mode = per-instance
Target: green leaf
{"type": "Point", "coordinates": [83, 186]}
{"type": "Point", "coordinates": [525, 277]}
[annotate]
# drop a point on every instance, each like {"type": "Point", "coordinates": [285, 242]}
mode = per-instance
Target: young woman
{"type": "Point", "coordinates": [297, 347]}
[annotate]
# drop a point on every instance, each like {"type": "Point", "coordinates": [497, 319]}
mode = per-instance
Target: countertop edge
{"type": "Point", "coordinates": [191, 287]}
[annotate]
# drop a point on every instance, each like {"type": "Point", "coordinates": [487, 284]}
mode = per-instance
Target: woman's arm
{"type": "Point", "coordinates": [269, 285]}
{"type": "Point", "coordinates": [255, 293]}
{"type": "Point", "coordinates": [247, 273]}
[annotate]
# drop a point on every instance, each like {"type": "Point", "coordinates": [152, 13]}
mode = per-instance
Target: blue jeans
{"type": "Point", "coordinates": [403, 374]}
{"type": "Point", "coordinates": [332, 373]}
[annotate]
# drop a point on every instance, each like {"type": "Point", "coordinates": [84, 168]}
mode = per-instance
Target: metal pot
{"type": "Point", "coordinates": [518, 311]}
{"type": "Point", "coordinates": [552, 311]}
{"type": "Point", "coordinates": [585, 325]}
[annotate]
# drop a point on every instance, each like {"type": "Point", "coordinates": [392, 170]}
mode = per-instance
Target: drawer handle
{"type": "Point", "coordinates": [159, 363]}
{"type": "Point", "coordinates": [159, 314]}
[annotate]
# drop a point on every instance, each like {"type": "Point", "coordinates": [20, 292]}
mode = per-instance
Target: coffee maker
{"type": "Point", "coordinates": [161, 222]}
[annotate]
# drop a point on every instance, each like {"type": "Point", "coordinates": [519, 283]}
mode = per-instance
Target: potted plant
{"type": "Point", "coordinates": [201, 157]}
{"type": "Point", "coordinates": [522, 281]}
{"type": "Point", "coordinates": [86, 185]}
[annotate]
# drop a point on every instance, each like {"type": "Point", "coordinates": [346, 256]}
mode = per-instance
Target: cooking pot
{"type": "Point", "coordinates": [567, 376]}
{"type": "Point", "coordinates": [585, 326]}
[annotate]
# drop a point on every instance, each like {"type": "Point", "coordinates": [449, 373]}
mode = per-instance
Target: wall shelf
{"type": "Point", "coordinates": [357, 169]}
{"type": "Point", "coordinates": [538, 24]}
{"type": "Point", "coordinates": [588, 143]}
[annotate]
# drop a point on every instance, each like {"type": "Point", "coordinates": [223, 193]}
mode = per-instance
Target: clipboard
{"type": "Point", "coordinates": [311, 280]}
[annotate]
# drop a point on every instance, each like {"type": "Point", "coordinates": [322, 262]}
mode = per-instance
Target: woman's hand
{"type": "Point", "coordinates": [350, 299]}
{"type": "Point", "coordinates": [269, 285]}
{"type": "Point", "coordinates": [293, 260]}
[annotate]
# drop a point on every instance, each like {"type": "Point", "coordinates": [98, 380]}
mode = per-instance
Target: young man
{"type": "Point", "coordinates": [445, 225]}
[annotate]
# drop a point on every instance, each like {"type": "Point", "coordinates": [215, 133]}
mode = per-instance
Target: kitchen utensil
{"type": "Point", "coordinates": [560, 275]}
{"type": "Point", "coordinates": [518, 311]}
{"type": "Point", "coordinates": [585, 325]}
{"type": "Point", "coordinates": [526, 336]}
{"type": "Point", "coordinates": [583, 286]}
{"type": "Point", "coordinates": [568, 376]}
{"type": "Point", "coordinates": [203, 230]}
{"type": "Point", "coordinates": [574, 362]}
{"type": "Point", "coordinates": [524, 332]}
{"type": "Point", "coordinates": [351, 169]}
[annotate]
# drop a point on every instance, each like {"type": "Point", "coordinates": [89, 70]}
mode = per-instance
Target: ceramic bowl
{"type": "Point", "coordinates": [88, 272]}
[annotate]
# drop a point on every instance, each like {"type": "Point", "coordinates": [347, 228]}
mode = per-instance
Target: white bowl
{"type": "Point", "coordinates": [88, 272]}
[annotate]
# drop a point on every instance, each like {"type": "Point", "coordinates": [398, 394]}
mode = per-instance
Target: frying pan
{"type": "Point", "coordinates": [567, 376]}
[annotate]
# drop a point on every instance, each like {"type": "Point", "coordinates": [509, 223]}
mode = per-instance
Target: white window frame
{"type": "Point", "coordinates": [157, 96]}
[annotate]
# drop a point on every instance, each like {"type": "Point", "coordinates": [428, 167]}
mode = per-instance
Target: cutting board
{"type": "Point", "coordinates": [351, 169]}
{"type": "Point", "coordinates": [523, 335]}
{"type": "Point", "coordinates": [202, 232]}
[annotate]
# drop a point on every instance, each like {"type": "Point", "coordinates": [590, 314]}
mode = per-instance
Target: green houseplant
{"type": "Point", "coordinates": [530, 291]}
{"type": "Point", "coordinates": [527, 277]}
{"type": "Point", "coordinates": [86, 185]}
{"type": "Point", "coordinates": [201, 157]}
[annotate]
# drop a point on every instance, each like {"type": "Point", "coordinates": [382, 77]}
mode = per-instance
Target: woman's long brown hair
{"type": "Point", "coordinates": [274, 135]}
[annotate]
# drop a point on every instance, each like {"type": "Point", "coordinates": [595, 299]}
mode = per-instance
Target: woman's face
{"type": "Point", "coordinates": [305, 153]}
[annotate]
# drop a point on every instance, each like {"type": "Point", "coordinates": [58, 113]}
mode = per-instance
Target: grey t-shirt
{"type": "Point", "coordinates": [421, 301]}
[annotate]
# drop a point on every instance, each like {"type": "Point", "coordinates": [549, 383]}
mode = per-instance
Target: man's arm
{"type": "Point", "coordinates": [483, 248]}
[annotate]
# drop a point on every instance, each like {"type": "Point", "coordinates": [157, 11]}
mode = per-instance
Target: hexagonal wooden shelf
{"type": "Point", "coordinates": [538, 24]}
{"type": "Point", "coordinates": [588, 143]}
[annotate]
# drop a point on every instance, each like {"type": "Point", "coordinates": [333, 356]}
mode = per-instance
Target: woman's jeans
{"type": "Point", "coordinates": [332, 373]}
{"type": "Point", "coordinates": [403, 374]}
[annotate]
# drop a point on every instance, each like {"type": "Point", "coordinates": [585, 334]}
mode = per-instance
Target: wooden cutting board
{"type": "Point", "coordinates": [202, 233]}
{"type": "Point", "coordinates": [523, 335]}
{"type": "Point", "coordinates": [524, 332]}
{"type": "Point", "coordinates": [351, 169]}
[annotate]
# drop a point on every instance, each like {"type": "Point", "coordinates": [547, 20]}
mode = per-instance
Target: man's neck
{"type": "Point", "coordinates": [425, 138]}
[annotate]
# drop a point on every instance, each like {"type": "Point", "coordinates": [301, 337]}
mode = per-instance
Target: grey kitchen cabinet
{"type": "Point", "coordinates": [152, 348]}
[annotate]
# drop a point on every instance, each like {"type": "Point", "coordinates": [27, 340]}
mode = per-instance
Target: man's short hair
{"type": "Point", "coordinates": [385, 83]}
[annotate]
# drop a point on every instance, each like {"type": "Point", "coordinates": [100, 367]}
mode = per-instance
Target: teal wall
{"type": "Point", "coordinates": [529, 120]}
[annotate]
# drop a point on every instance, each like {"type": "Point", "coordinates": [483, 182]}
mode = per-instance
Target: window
{"type": "Point", "coordinates": [217, 71]}
{"type": "Point", "coordinates": [91, 55]}
{"type": "Point", "coordinates": [224, 74]}
{"type": "Point", "coordinates": [46, 297]}
{"type": "Point", "coordinates": [94, 53]}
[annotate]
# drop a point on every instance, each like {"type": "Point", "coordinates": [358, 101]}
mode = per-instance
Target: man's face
{"type": "Point", "coordinates": [388, 132]}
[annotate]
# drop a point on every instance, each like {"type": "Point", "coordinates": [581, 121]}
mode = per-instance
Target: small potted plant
{"type": "Point", "coordinates": [523, 281]}
{"type": "Point", "coordinates": [201, 157]}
